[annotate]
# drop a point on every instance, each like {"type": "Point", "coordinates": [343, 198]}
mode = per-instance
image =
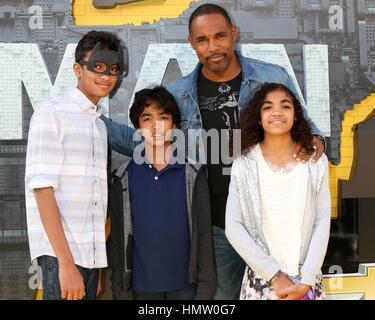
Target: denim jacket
{"type": "Point", "coordinates": [185, 91]}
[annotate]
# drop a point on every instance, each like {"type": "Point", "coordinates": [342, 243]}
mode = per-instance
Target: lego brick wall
{"type": "Point", "coordinates": [327, 45]}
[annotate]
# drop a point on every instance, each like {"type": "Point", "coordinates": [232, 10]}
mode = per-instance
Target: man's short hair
{"type": "Point", "coordinates": [209, 8]}
{"type": "Point", "coordinates": [107, 40]}
{"type": "Point", "coordinates": [158, 95]}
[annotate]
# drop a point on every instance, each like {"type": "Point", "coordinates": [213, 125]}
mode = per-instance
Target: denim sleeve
{"type": "Point", "coordinates": [314, 129]}
{"type": "Point", "coordinates": [120, 137]}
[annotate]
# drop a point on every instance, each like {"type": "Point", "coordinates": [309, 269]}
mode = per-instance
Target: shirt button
{"type": "Point", "coordinates": [95, 203]}
{"type": "Point", "coordinates": [150, 166]}
{"type": "Point", "coordinates": [156, 178]}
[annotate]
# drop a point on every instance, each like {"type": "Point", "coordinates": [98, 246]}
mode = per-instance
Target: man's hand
{"type": "Point", "coordinates": [300, 153]}
{"type": "Point", "coordinates": [71, 282]}
{"type": "Point", "coordinates": [295, 292]}
{"type": "Point", "coordinates": [281, 284]}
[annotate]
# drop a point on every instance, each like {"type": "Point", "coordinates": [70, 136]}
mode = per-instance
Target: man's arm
{"type": "Point", "coordinates": [120, 137]}
{"type": "Point", "coordinates": [71, 281]}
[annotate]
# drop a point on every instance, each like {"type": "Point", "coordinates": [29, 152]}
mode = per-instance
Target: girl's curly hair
{"type": "Point", "coordinates": [252, 132]}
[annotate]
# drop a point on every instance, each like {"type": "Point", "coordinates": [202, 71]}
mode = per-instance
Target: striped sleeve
{"type": "Point", "coordinates": [44, 150]}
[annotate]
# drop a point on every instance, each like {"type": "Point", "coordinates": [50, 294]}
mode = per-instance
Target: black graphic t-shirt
{"type": "Point", "coordinates": [218, 104]}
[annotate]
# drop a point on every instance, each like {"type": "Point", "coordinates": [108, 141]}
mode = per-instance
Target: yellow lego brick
{"type": "Point", "coordinates": [79, 10]}
{"type": "Point", "coordinates": [333, 173]}
{"type": "Point", "coordinates": [355, 283]}
{"type": "Point", "coordinates": [334, 188]}
{"type": "Point", "coordinates": [342, 173]}
{"type": "Point", "coordinates": [348, 120]}
{"type": "Point", "coordinates": [346, 151]}
{"type": "Point", "coordinates": [347, 141]}
{"type": "Point", "coordinates": [93, 12]}
{"type": "Point", "coordinates": [131, 13]}
{"type": "Point", "coordinates": [38, 294]}
{"type": "Point", "coordinates": [332, 180]}
{"type": "Point", "coordinates": [360, 118]}
{"type": "Point", "coordinates": [82, 2]}
{"type": "Point", "coordinates": [334, 185]}
{"type": "Point", "coordinates": [347, 133]}
{"type": "Point", "coordinates": [346, 162]}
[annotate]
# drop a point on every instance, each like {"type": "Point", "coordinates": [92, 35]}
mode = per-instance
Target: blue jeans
{"type": "Point", "coordinates": [182, 294]}
{"type": "Point", "coordinates": [51, 282]}
{"type": "Point", "coordinates": [230, 267]}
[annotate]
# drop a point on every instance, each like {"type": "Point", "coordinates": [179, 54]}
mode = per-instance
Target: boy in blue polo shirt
{"type": "Point", "coordinates": [161, 239]}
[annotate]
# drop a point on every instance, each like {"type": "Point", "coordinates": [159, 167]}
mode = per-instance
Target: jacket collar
{"type": "Point", "coordinates": [249, 72]}
{"type": "Point", "coordinates": [121, 170]}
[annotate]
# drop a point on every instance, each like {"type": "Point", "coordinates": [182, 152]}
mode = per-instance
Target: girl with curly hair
{"type": "Point", "coordinates": [278, 209]}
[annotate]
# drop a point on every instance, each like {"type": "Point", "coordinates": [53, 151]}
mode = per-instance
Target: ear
{"type": "Point", "coordinates": [190, 39]}
{"type": "Point", "coordinates": [233, 32]}
{"type": "Point", "coordinates": [77, 68]}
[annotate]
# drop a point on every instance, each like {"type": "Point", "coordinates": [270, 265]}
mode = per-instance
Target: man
{"type": "Point", "coordinates": [66, 175]}
{"type": "Point", "coordinates": [212, 97]}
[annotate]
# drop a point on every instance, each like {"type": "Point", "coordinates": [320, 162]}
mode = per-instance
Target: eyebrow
{"type": "Point", "coordinates": [282, 101]}
{"type": "Point", "coordinates": [200, 38]}
{"type": "Point", "coordinates": [149, 114]}
{"type": "Point", "coordinates": [220, 33]}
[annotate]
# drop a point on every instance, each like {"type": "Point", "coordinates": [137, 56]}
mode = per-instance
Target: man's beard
{"type": "Point", "coordinates": [218, 67]}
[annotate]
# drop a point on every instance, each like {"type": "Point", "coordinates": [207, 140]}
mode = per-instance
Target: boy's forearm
{"type": "Point", "coordinates": [50, 216]}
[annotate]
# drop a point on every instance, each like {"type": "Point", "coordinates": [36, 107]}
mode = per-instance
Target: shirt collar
{"type": "Point", "coordinates": [176, 166]}
{"type": "Point", "coordinates": [85, 103]}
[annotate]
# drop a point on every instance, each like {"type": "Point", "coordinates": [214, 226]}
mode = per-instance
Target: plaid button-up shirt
{"type": "Point", "coordinates": [67, 150]}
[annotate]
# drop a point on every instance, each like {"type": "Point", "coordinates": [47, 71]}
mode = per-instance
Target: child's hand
{"type": "Point", "coordinates": [71, 282]}
{"type": "Point", "coordinates": [295, 292]}
{"type": "Point", "coordinates": [281, 284]}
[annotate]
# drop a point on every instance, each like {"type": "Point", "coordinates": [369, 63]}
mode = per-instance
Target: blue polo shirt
{"type": "Point", "coordinates": [160, 228]}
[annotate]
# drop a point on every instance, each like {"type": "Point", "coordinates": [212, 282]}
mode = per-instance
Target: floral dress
{"type": "Point", "coordinates": [254, 287]}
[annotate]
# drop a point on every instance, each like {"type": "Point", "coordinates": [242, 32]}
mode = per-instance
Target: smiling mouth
{"type": "Point", "coordinates": [277, 121]}
{"type": "Point", "coordinates": [216, 57]}
{"type": "Point", "coordinates": [105, 85]}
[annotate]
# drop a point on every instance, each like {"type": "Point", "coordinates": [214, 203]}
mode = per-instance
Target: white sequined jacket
{"type": "Point", "coordinates": [243, 220]}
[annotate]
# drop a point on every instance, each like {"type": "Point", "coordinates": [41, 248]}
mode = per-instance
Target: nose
{"type": "Point", "coordinates": [157, 126]}
{"type": "Point", "coordinates": [212, 45]}
{"type": "Point", "coordinates": [277, 111]}
{"type": "Point", "coordinates": [105, 77]}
